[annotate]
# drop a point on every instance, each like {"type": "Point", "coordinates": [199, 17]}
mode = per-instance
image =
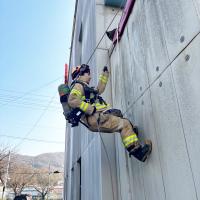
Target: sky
{"type": "Point", "coordinates": [35, 39]}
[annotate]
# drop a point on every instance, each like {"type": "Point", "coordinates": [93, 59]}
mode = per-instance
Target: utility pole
{"type": "Point", "coordinates": [48, 182]}
{"type": "Point", "coordinates": [7, 169]}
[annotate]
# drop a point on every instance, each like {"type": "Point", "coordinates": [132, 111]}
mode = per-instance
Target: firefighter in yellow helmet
{"type": "Point", "coordinates": [98, 116]}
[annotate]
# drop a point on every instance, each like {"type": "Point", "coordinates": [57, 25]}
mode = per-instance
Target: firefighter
{"type": "Point", "coordinates": [97, 114]}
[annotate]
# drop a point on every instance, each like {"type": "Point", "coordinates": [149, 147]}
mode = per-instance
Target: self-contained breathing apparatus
{"type": "Point", "coordinates": [73, 115]}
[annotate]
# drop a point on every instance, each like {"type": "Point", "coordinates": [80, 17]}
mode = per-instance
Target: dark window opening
{"type": "Point", "coordinates": [115, 3]}
{"type": "Point", "coordinates": [80, 37]}
{"type": "Point", "coordinates": [79, 166]}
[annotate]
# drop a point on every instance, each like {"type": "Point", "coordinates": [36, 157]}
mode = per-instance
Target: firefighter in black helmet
{"type": "Point", "coordinates": [98, 115]}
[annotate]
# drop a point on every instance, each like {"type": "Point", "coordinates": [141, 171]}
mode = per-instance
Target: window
{"type": "Point", "coordinates": [115, 3]}
{"type": "Point", "coordinates": [80, 37]}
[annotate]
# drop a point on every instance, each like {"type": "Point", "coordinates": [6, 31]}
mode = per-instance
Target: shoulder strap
{"type": "Point", "coordinates": [87, 90]}
{"type": "Point", "coordinates": [76, 81]}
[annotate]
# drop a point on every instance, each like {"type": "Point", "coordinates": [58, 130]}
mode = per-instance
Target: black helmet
{"type": "Point", "coordinates": [84, 69]}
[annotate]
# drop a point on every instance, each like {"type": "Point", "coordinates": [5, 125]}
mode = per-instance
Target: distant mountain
{"type": "Point", "coordinates": [55, 160]}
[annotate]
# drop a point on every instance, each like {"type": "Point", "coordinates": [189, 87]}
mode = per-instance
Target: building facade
{"type": "Point", "coordinates": [154, 80]}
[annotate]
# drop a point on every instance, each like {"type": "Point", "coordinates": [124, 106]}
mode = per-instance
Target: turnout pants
{"type": "Point", "coordinates": [108, 123]}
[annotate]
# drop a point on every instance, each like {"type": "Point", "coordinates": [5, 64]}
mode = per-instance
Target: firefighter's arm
{"type": "Point", "coordinates": [76, 98]}
{"type": "Point", "coordinates": [103, 79]}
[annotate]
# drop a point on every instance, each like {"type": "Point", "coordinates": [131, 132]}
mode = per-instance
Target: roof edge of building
{"type": "Point", "coordinates": [73, 29]}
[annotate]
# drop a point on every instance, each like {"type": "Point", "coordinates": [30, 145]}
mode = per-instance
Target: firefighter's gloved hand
{"type": "Point", "coordinates": [94, 110]}
{"type": "Point", "coordinates": [105, 69]}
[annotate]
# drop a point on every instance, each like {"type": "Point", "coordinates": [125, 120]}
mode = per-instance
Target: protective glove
{"type": "Point", "coordinates": [105, 69]}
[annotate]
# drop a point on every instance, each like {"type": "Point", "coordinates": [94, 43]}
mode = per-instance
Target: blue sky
{"type": "Point", "coordinates": [35, 38]}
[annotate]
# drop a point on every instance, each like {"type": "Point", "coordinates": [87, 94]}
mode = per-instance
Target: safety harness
{"type": "Point", "coordinates": [73, 115]}
{"type": "Point", "coordinates": [91, 94]}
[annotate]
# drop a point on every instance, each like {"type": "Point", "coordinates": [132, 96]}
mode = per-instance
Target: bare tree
{"type": "Point", "coordinates": [21, 175]}
{"type": "Point", "coordinates": [44, 181]}
{"type": "Point", "coordinates": [4, 153]}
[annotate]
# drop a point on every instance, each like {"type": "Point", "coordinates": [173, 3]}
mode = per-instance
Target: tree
{"type": "Point", "coordinates": [21, 175]}
{"type": "Point", "coordinates": [4, 154]}
{"type": "Point", "coordinates": [44, 181]}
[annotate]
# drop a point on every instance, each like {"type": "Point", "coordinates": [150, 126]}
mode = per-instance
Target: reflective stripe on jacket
{"type": "Point", "coordinates": [77, 97]}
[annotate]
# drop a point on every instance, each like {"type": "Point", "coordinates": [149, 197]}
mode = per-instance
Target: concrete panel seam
{"type": "Point", "coordinates": [163, 27]}
{"type": "Point", "coordinates": [145, 195]}
{"type": "Point", "coordinates": [163, 40]}
{"type": "Point", "coordinates": [184, 48]}
{"type": "Point", "coordinates": [119, 175]}
{"type": "Point", "coordinates": [100, 4]}
{"type": "Point", "coordinates": [128, 168]}
{"type": "Point", "coordinates": [181, 120]}
{"type": "Point", "coordinates": [197, 11]}
{"type": "Point", "coordinates": [157, 144]}
{"type": "Point", "coordinates": [104, 49]}
{"type": "Point", "coordinates": [149, 86]}
{"type": "Point", "coordinates": [113, 47]}
{"type": "Point", "coordinates": [88, 145]}
{"type": "Point", "coordinates": [109, 164]}
{"type": "Point", "coordinates": [155, 134]}
{"type": "Point", "coordinates": [75, 162]}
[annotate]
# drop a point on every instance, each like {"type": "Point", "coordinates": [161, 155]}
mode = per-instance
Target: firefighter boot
{"type": "Point", "coordinates": [141, 152]}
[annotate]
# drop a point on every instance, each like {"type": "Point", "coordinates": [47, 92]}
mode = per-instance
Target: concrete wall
{"type": "Point", "coordinates": [155, 81]}
{"type": "Point", "coordinates": [90, 156]}
{"type": "Point", "coordinates": [78, 139]}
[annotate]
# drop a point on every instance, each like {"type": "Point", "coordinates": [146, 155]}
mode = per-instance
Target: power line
{"type": "Point", "coordinates": [39, 126]}
{"type": "Point", "coordinates": [36, 108]}
{"type": "Point", "coordinates": [19, 92]}
{"type": "Point", "coordinates": [36, 123]}
{"type": "Point", "coordinates": [33, 105]}
{"type": "Point", "coordinates": [37, 103]}
{"type": "Point", "coordinates": [32, 139]}
{"type": "Point", "coordinates": [52, 109]}
{"type": "Point", "coordinates": [30, 99]}
{"type": "Point", "coordinates": [33, 90]}
{"type": "Point", "coordinates": [31, 102]}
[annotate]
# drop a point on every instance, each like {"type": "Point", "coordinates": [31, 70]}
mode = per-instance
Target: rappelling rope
{"type": "Point", "coordinates": [97, 120]}
{"type": "Point", "coordinates": [118, 55]}
{"type": "Point", "coordinates": [120, 7]}
{"type": "Point", "coordinates": [102, 141]}
{"type": "Point", "coordinates": [104, 146]}
{"type": "Point", "coordinates": [109, 162]}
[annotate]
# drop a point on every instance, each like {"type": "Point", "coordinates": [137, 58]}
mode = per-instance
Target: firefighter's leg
{"type": "Point", "coordinates": [118, 113]}
{"type": "Point", "coordinates": [132, 144]}
{"type": "Point", "coordinates": [109, 123]}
